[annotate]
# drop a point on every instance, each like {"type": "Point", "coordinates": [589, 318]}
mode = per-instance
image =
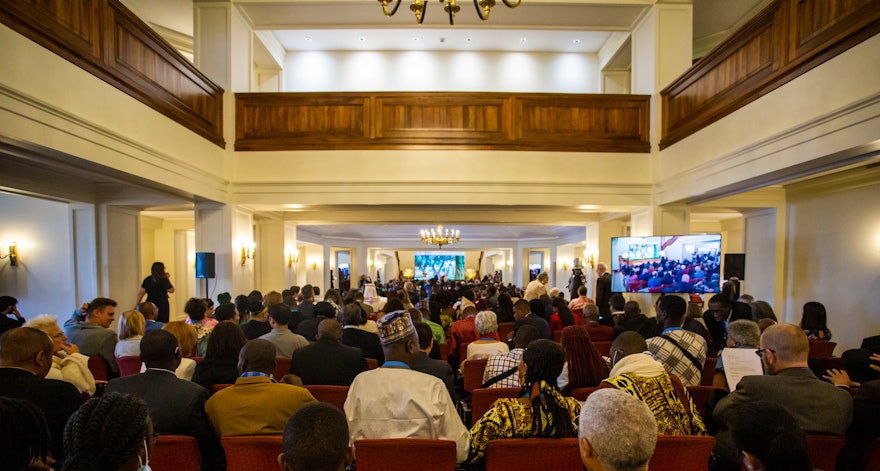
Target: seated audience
{"type": "Point", "coordinates": [865, 427]}
{"type": "Point", "coordinates": [501, 369]}
{"type": "Point", "coordinates": [562, 316]}
{"type": "Point", "coordinates": [285, 341]}
{"type": "Point", "coordinates": [9, 306]}
{"type": "Point", "coordinates": [635, 372]}
{"type": "Point", "coordinates": [632, 319]}
{"type": "Point", "coordinates": [209, 321]}
{"type": "Point", "coordinates": [113, 433]}
{"type": "Point", "coordinates": [617, 432]}
{"type": "Point", "coordinates": [504, 310]}
{"type": "Point", "coordinates": [150, 313]}
{"type": "Point", "coordinates": [328, 361]}
{"type": "Point", "coordinates": [818, 406]}
{"type": "Point", "coordinates": [93, 335]}
{"type": "Point", "coordinates": [584, 366]}
{"type": "Point", "coordinates": [308, 328]}
{"type": "Point", "coordinates": [255, 404]}
{"type": "Point", "coordinates": [721, 311]}
{"type": "Point", "coordinates": [769, 438]}
{"type": "Point", "coordinates": [461, 332]}
{"type": "Point", "coordinates": [539, 410]}
{"type": "Point", "coordinates": [220, 365]}
{"type": "Point", "coordinates": [527, 313]}
{"type": "Point", "coordinates": [353, 335]}
{"type": "Point", "coordinates": [256, 325]}
{"type": "Point", "coordinates": [577, 304]}
{"type": "Point", "coordinates": [186, 338]}
{"type": "Point", "coordinates": [177, 406]}
{"type": "Point", "coordinates": [681, 352]}
{"type": "Point", "coordinates": [743, 333]}
{"type": "Point", "coordinates": [130, 330]}
{"type": "Point", "coordinates": [316, 438]}
{"type": "Point", "coordinates": [488, 343]}
{"type": "Point", "coordinates": [24, 436]}
{"type": "Point", "coordinates": [425, 364]}
{"type": "Point", "coordinates": [226, 312]}
{"type": "Point", "coordinates": [196, 310]}
{"type": "Point", "coordinates": [762, 310]}
{"type": "Point", "coordinates": [422, 315]}
{"type": "Point", "coordinates": [395, 401]}
{"type": "Point", "coordinates": [814, 321]}
{"type": "Point", "coordinates": [598, 332]}
{"type": "Point", "coordinates": [25, 359]}
{"type": "Point", "coordinates": [67, 363]}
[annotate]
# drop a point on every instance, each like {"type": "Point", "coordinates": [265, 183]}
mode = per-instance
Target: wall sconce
{"type": "Point", "coordinates": [292, 257]}
{"type": "Point", "coordinates": [591, 259]}
{"type": "Point", "coordinates": [565, 265]}
{"type": "Point", "coordinates": [12, 254]}
{"type": "Point", "coordinates": [408, 273]}
{"type": "Point", "coordinates": [509, 263]}
{"type": "Point", "coordinates": [247, 251]}
{"type": "Point", "coordinates": [314, 263]}
{"type": "Point", "coordinates": [370, 262]}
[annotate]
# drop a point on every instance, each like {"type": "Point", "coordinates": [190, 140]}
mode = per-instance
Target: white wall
{"type": "Point", "coordinates": [43, 280]}
{"type": "Point", "coordinates": [440, 71]}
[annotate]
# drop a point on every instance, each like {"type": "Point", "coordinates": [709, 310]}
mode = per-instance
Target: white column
{"type": "Point", "coordinates": [223, 43]}
{"type": "Point", "coordinates": [119, 254]}
{"type": "Point", "coordinates": [271, 262]}
{"type": "Point", "coordinates": [84, 252]}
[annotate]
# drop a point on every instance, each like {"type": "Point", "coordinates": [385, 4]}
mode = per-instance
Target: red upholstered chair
{"type": "Point", "coordinates": [708, 371]}
{"type": "Point", "coordinates": [252, 452]}
{"type": "Point", "coordinates": [504, 329]}
{"type": "Point", "coordinates": [483, 399]}
{"type": "Point", "coordinates": [219, 386]}
{"type": "Point", "coordinates": [282, 367]}
{"type": "Point", "coordinates": [404, 454]}
{"type": "Point", "coordinates": [823, 450]}
{"type": "Point", "coordinates": [444, 351]}
{"type": "Point", "coordinates": [331, 394]}
{"type": "Point", "coordinates": [581, 394]}
{"type": "Point", "coordinates": [822, 348]}
{"type": "Point", "coordinates": [175, 453]}
{"type": "Point", "coordinates": [372, 363]}
{"type": "Point", "coordinates": [473, 373]}
{"type": "Point", "coordinates": [129, 365]}
{"type": "Point", "coordinates": [99, 368]}
{"type": "Point", "coordinates": [197, 359]}
{"type": "Point", "coordinates": [872, 457]}
{"type": "Point", "coordinates": [681, 453]}
{"type": "Point", "coordinates": [529, 454]}
{"type": "Point", "coordinates": [604, 348]}
{"type": "Point", "coordinates": [462, 351]}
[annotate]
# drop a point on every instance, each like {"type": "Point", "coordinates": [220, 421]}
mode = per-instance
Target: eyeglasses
{"type": "Point", "coordinates": [760, 352]}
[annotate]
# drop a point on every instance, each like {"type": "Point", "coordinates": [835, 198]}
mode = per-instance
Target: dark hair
{"type": "Point", "coordinates": [525, 334]}
{"type": "Point", "coordinates": [721, 299]}
{"type": "Point", "coordinates": [617, 301]}
{"type": "Point", "coordinates": [24, 433]}
{"type": "Point", "coordinates": [544, 360]}
{"type": "Point", "coordinates": [195, 308]}
{"type": "Point", "coordinates": [241, 303]}
{"type": "Point", "coordinates": [105, 432]}
{"type": "Point", "coordinates": [393, 304]}
{"type": "Point", "coordinates": [564, 313]}
{"type": "Point", "coordinates": [308, 292]}
{"type": "Point", "coordinates": [224, 312]}
{"type": "Point", "coordinates": [100, 303]}
{"type": "Point", "coordinates": [280, 313]}
{"type": "Point", "coordinates": [209, 303]}
{"type": "Point", "coordinates": [353, 314]}
{"type": "Point", "coordinates": [814, 316]}
{"type": "Point", "coordinates": [425, 334]}
{"type": "Point", "coordinates": [675, 307]}
{"type": "Point", "coordinates": [316, 438]}
{"type": "Point", "coordinates": [225, 342]}
{"type": "Point", "coordinates": [505, 308]}
{"type": "Point", "coordinates": [536, 306]}
{"type": "Point", "coordinates": [631, 308]}
{"type": "Point", "coordinates": [6, 302]}
{"type": "Point", "coordinates": [158, 346]}
{"type": "Point", "coordinates": [469, 294]}
{"type": "Point", "coordinates": [157, 271]}
{"type": "Point", "coordinates": [582, 290]}
{"type": "Point", "coordinates": [586, 367]}
{"type": "Point", "coordinates": [768, 431]}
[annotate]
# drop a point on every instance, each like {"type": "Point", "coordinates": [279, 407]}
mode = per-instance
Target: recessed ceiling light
{"type": "Point", "coordinates": [523, 40]}
{"type": "Point", "coordinates": [308, 39]}
{"type": "Point", "coordinates": [362, 39]}
{"type": "Point", "coordinates": [469, 39]}
{"type": "Point", "coordinates": [415, 38]}
{"type": "Point", "coordinates": [576, 41]}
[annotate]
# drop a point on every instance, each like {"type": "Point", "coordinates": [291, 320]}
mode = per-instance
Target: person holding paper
{"type": "Point", "coordinates": [742, 334]}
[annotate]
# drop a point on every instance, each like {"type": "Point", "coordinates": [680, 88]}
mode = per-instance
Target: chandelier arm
{"type": "Point", "coordinates": [420, 17]}
{"type": "Point", "coordinates": [480, 11]}
{"type": "Point", "coordinates": [385, 7]}
{"type": "Point", "coordinates": [512, 5]}
{"type": "Point", "coordinates": [451, 17]}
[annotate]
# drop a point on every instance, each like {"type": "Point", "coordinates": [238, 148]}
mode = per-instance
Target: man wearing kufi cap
{"type": "Point", "coordinates": [395, 401]}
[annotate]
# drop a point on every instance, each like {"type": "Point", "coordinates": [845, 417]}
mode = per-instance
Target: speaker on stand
{"type": "Point", "coordinates": [205, 268]}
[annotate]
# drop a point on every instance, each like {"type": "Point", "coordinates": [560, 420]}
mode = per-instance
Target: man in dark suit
{"type": "Point", "coordinates": [177, 407]}
{"type": "Point", "coordinates": [818, 406]}
{"type": "Point", "coordinates": [327, 361]}
{"type": "Point", "coordinates": [354, 336]}
{"type": "Point", "coordinates": [427, 365]}
{"type": "Point", "coordinates": [25, 359]}
{"type": "Point", "coordinates": [721, 311]}
{"type": "Point", "coordinates": [603, 294]}
{"type": "Point", "coordinates": [524, 315]}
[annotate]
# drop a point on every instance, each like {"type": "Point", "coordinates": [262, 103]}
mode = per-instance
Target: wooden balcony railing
{"type": "Point", "coordinates": [538, 122]}
{"type": "Point", "coordinates": [785, 40]}
{"type": "Point", "coordinates": [107, 40]}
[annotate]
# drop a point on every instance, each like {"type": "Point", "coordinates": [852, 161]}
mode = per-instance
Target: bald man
{"type": "Point", "coordinates": [818, 406]}
{"type": "Point", "coordinates": [327, 361]}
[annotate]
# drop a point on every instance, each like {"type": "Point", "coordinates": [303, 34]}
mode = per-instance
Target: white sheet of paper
{"type": "Point", "coordinates": [739, 362]}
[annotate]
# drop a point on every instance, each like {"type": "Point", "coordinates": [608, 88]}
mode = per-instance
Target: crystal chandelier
{"type": "Point", "coordinates": [418, 7]}
{"type": "Point", "coordinates": [440, 236]}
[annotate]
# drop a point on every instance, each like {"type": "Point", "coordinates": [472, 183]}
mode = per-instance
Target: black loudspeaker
{"type": "Point", "coordinates": [205, 265]}
{"type": "Point", "coordinates": [735, 266]}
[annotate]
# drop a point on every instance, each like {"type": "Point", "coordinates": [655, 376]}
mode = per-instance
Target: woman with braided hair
{"type": "Point", "coordinates": [540, 410]}
{"type": "Point", "coordinates": [110, 433]}
{"type": "Point", "coordinates": [584, 366]}
{"type": "Point", "coordinates": [25, 441]}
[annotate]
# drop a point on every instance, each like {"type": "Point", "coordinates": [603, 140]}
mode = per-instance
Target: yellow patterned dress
{"type": "Point", "coordinates": [665, 400]}
{"type": "Point", "coordinates": [512, 418]}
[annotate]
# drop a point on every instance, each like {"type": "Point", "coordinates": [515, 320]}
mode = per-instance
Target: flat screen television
{"type": "Point", "coordinates": [431, 264]}
{"type": "Point", "coordinates": [666, 264]}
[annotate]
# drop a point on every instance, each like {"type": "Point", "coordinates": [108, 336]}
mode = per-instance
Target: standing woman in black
{"type": "Point", "coordinates": [157, 286]}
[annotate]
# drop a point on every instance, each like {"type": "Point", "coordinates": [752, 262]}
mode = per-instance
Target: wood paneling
{"type": "Point", "coordinates": [542, 122]}
{"type": "Point", "coordinates": [107, 40]}
{"type": "Point", "coordinates": [785, 40]}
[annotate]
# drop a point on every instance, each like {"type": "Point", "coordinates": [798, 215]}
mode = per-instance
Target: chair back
{"type": "Point", "coordinates": [175, 453]}
{"type": "Point", "coordinates": [444, 351]}
{"type": "Point", "coordinates": [708, 374]}
{"type": "Point", "coordinates": [529, 454]}
{"type": "Point", "coordinates": [401, 454]}
{"type": "Point", "coordinates": [581, 394]}
{"type": "Point", "coordinates": [821, 348]}
{"type": "Point", "coordinates": [219, 386]}
{"type": "Point", "coordinates": [129, 365]}
{"type": "Point", "coordinates": [823, 450]}
{"type": "Point", "coordinates": [557, 336]}
{"type": "Point", "coordinates": [473, 373]}
{"type": "Point", "coordinates": [504, 329]}
{"type": "Point", "coordinates": [604, 348]}
{"type": "Point", "coordinates": [282, 367]}
{"type": "Point", "coordinates": [462, 351]}
{"type": "Point", "coordinates": [372, 363]}
{"type": "Point", "coordinates": [872, 456]}
{"type": "Point", "coordinates": [331, 394]}
{"type": "Point", "coordinates": [252, 452]}
{"type": "Point", "coordinates": [682, 453]}
{"type": "Point", "coordinates": [99, 368]}
{"type": "Point", "coordinates": [484, 398]}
